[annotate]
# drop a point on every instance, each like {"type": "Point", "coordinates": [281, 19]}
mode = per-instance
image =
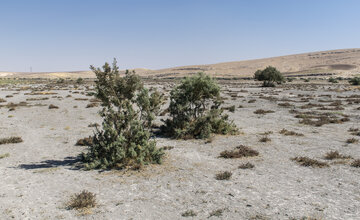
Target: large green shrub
{"type": "Point", "coordinates": [195, 110]}
{"type": "Point", "coordinates": [128, 111]}
{"type": "Point", "coordinates": [270, 75]}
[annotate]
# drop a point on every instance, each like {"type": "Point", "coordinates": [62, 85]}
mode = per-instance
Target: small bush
{"type": "Point", "coordinates": [289, 133]}
{"type": "Point", "coordinates": [11, 140]}
{"type": "Point", "coordinates": [216, 213]}
{"type": "Point", "coordinates": [265, 139]}
{"type": "Point", "coordinates": [335, 155]}
{"type": "Point", "coordinates": [189, 213]}
{"type": "Point", "coordinates": [84, 142]}
{"type": "Point", "coordinates": [270, 75]}
{"type": "Point", "coordinates": [2, 100]}
{"type": "Point", "coordinates": [355, 81]}
{"type": "Point", "coordinates": [307, 162]}
{"type": "Point", "coordinates": [195, 110]}
{"type": "Point", "coordinates": [261, 111]}
{"type": "Point", "coordinates": [223, 175]}
{"type": "Point", "coordinates": [4, 155]}
{"type": "Point", "coordinates": [79, 80]}
{"type": "Point", "coordinates": [356, 163]}
{"type": "Point", "coordinates": [352, 141]}
{"type": "Point", "coordinates": [82, 200]}
{"type": "Point", "coordinates": [247, 165]}
{"type": "Point", "coordinates": [240, 151]}
{"type": "Point", "coordinates": [333, 80]}
{"type": "Point", "coordinates": [60, 81]}
{"type": "Point", "coordinates": [51, 106]}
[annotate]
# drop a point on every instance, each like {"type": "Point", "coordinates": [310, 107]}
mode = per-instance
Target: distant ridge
{"type": "Point", "coordinates": [343, 62]}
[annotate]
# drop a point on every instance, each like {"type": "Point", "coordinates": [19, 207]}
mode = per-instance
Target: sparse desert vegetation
{"type": "Point", "coordinates": [295, 135]}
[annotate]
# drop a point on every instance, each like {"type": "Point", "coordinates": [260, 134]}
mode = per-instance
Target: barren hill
{"type": "Point", "coordinates": [344, 62]}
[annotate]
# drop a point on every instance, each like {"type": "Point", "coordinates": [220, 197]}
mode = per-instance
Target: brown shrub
{"type": "Point", "coordinates": [223, 175]}
{"type": "Point", "coordinates": [352, 141]}
{"type": "Point", "coordinates": [335, 155]}
{"type": "Point", "coordinates": [11, 140]}
{"type": "Point", "coordinates": [82, 200]}
{"type": "Point", "coordinates": [261, 111]}
{"type": "Point", "coordinates": [289, 133]}
{"type": "Point", "coordinates": [51, 106]}
{"type": "Point", "coordinates": [356, 163]}
{"type": "Point", "coordinates": [265, 139]}
{"type": "Point", "coordinates": [240, 151]}
{"type": "Point", "coordinates": [92, 104]}
{"type": "Point", "coordinates": [247, 165]}
{"type": "Point", "coordinates": [307, 162]}
{"type": "Point", "coordinates": [84, 141]}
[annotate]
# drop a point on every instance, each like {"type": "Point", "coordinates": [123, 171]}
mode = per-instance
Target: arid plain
{"type": "Point", "coordinates": [305, 134]}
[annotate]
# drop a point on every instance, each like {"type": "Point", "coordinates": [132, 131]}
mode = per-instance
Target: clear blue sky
{"type": "Point", "coordinates": [65, 35]}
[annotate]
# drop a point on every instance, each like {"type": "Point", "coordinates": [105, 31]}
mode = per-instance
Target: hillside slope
{"type": "Point", "coordinates": [343, 62]}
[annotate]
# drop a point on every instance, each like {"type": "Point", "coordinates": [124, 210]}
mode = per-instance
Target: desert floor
{"type": "Point", "coordinates": [40, 174]}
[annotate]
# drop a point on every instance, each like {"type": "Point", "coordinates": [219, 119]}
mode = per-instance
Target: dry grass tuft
{"type": "Point", "coordinates": [240, 151]}
{"type": "Point", "coordinates": [352, 141]}
{"type": "Point", "coordinates": [189, 213]}
{"type": "Point", "coordinates": [308, 162]}
{"type": "Point", "coordinates": [83, 200]}
{"type": "Point", "coordinates": [262, 111]}
{"type": "Point", "coordinates": [289, 133]}
{"type": "Point", "coordinates": [247, 165]}
{"type": "Point", "coordinates": [51, 106]}
{"type": "Point", "coordinates": [4, 155]}
{"type": "Point", "coordinates": [335, 155]}
{"type": "Point", "coordinates": [84, 141]}
{"type": "Point", "coordinates": [265, 139]}
{"type": "Point", "coordinates": [223, 175]}
{"type": "Point", "coordinates": [11, 140]}
{"type": "Point", "coordinates": [356, 163]}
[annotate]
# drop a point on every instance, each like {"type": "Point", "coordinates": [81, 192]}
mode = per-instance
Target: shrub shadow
{"type": "Point", "coordinates": [73, 162]}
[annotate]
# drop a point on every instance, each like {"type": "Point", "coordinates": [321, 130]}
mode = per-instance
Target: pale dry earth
{"type": "Point", "coordinates": [40, 175]}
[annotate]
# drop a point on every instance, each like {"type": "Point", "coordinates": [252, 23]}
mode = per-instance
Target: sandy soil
{"type": "Point", "coordinates": [40, 175]}
{"type": "Point", "coordinates": [343, 62]}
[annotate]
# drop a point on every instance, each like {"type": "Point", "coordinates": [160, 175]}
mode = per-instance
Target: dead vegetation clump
{"type": "Point", "coordinates": [223, 175]}
{"type": "Point", "coordinates": [2, 100]}
{"type": "Point", "coordinates": [84, 141]}
{"type": "Point", "coordinates": [189, 213]}
{"type": "Point", "coordinates": [11, 140]}
{"type": "Point", "coordinates": [265, 139]}
{"type": "Point", "coordinates": [37, 99]}
{"type": "Point", "coordinates": [352, 141]}
{"type": "Point", "coordinates": [4, 155]}
{"type": "Point", "coordinates": [308, 162]}
{"type": "Point", "coordinates": [317, 119]}
{"type": "Point", "coordinates": [83, 200]}
{"type": "Point", "coordinates": [92, 104]}
{"type": "Point", "coordinates": [247, 165]}
{"type": "Point", "coordinates": [290, 133]}
{"type": "Point", "coordinates": [262, 111]}
{"type": "Point", "coordinates": [239, 152]}
{"type": "Point", "coordinates": [51, 106]}
{"type": "Point", "coordinates": [285, 105]}
{"type": "Point", "coordinates": [356, 163]}
{"type": "Point", "coordinates": [335, 155]}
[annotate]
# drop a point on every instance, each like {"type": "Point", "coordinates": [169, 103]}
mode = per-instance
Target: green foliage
{"type": "Point", "coordinates": [79, 80]}
{"type": "Point", "coordinates": [333, 80]}
{"type": "Point", "coordinates": [195, 110]}
{"type": "Point", "coordinates": [355, 81]}
{"type": "Point", "coordinates": [128, 111]}
{"type": "Point", "coordinates": [270, 75]}
{"type": "Point", "coordinates": [60, 81]}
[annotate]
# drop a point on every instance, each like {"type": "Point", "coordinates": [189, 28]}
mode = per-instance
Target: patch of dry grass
{"type": "Point", "coordinates": [247, 165]}
{"type": "Point", "coordinates": [240, 151]}
{"type": "Point", "coordinates": [335, 155]}
{"type": "Point", "coordinates": [262, 111]}
{"type": "Point", "coordinates": [83, 200]}
{"type": "Point", "coordinates": [352, 141]}
{"type": "Point", "coordinates": [308, 162]}
{"type": "Point", "coordinates": [290, 133]}
{"type": "Point", "coordinates": [4, 155]}
{"type": "Point", "coordinates": [356, 163]}
{"type": "Point", "coordinates": [11, 140]}
{"type": "Point", "coordinates": [223, 175]}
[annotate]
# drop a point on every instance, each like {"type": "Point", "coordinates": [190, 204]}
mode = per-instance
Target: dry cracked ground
{"type": "Point", "coordinates": [296, 157]}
